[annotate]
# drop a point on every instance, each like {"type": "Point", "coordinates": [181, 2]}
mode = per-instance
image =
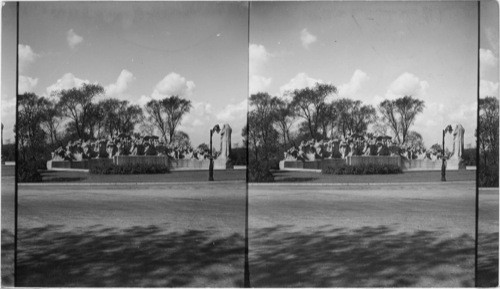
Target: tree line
{"type": "Point", "coordinates": [44, 123]}
{"type": "Point", "coordinates": [268, 131]}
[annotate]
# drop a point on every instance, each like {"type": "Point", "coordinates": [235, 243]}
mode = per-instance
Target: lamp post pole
{"type": "Point", "coordinates": [211, 165]}
{"type": "Point", "coordinates": [443, 165]}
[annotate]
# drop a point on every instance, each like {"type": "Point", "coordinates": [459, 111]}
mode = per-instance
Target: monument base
{"type": "Point", "coordinates": [173, 164]}
{"type": "Point", "coordinates": [405, 165]}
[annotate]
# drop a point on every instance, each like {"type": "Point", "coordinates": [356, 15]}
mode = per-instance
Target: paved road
{"type": "Point", "coordinates": [488, 238]}
{"type": "Point", "coordinates": [340, 236]}
{"type": "Point", "coordinates": [132, 235]}
{"type": "Point", "coordinates": [8, 202]}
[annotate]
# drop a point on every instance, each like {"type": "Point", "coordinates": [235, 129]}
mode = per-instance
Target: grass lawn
{"type": "Point", "coordinates": [176, 176]}
{"type": "Point", "coordinates": [406, 177]}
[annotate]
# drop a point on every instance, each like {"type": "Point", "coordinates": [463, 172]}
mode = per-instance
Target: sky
{"type": "Point", "coordinates": [140, 51]}
{"type": "Point", "coordinates": [373, 51]}
{"type": "Point", "coordinates": [206, 52]}
{"type": "Point", "coordinates": [489, 49]}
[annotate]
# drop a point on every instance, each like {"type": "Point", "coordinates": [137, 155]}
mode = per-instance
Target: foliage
{"type": "Point", "coordinates": [181, 139]}
{"type": "Point", "coordinates": [119, 117]}
{"type": "Point", "coordinates": [283, 115]}
{"type": "Point", "coordinates": [310, 105]}
{"type": "Point", "coordinates": [33, 152]}
{"type": "Point", "coordinates": [128, 169]}
{"type": "Point", "coordinates": [238, 156]}
{"type": "Point", "coordinates": [415, 140]}
{"type": "Point", "coordinates": [260, 172]}
{"type": "Point", "coordinates": [353, 117]}
{"type": "Point", "coordinates": [203, 147]}
{"type": "Point", "coordinates": [400, 114]}
{"type": "Point", "coordinates": [76, 104]}
{"type": "Point", "coordinates": [469, 157]}
{"type": "Point", "coordinates": [166, 114]}
{"type": "Point", "coordinates": [9, 152]}
{"type": "Point", "coordinates": [27, 172]}
{"type": "Point", "coordinates": [488, 141]}
{"type": "Point", "coordinates": [370, 169]}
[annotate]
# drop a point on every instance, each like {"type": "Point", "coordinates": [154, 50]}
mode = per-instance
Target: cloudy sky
{"type": "Point", "coordinates": [142, 51]}
{"type": "Point", "coordinates": [489, 49]}
{"type": "Point", "coordinates": [372, 51]}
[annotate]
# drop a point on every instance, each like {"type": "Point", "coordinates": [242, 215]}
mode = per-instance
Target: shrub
{"type": "Point", "coordinates": [238, 156]}
{"type": "Point", "coordinates": [27, 172]}
{"type": "Point", "coordinates": [370, 169]}
{"type": "Point", "coordinates": [128, 169]}
{"type": "Point", "coordinates": [260, 172]}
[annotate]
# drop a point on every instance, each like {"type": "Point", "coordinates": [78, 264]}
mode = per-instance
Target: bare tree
{"type": "Point", "coordinates": [400, 115]}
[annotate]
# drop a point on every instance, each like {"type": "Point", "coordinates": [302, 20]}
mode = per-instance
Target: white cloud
{"type": "Point", "coordinates": [26, 56]}
{"type": "Point", "coordinates": [258, 59]}
{"type": "Point", "coordinates": [67, 81]}
{"type": "Point", "coordinates": [307, 38]}
{"type": "Point", "coordinates": [488, 60]}
{"type": "Point", "coordinates": [199, 115]}
{"type": "Point", "coordinates": [142, 100]}
{"type": "Point", "coordinates": [407, 84]}
{"type": "Point", "coordinates": [173, 84]}
{"type": "Point", "coordinates": [27, 84]}
{"type": "Point", "coordinates": [464, 113]}
{"type": "Point", "coordinates": [121, 85]}
{"type": "Point", "coordinates": [352, 87]}
{"type": "Point", "coordinates": [73, 38]}
{"type": "Point", "coordinates": [300, 81]}
{"type": "Point", "coordinates": [259, 83]}
{"type": "Point", "coordinates": [488, 88]}
{"type": "Point", "coordinates": [233, 112]}
{"type": "Point", "coordinates": [8, 118]}
{"type": "Point", "coordinates": [487, 57]}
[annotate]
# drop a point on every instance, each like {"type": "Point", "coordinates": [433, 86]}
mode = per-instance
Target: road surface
{"type": "Point", "coordinates": [400, 235]}
{"type": "Point", "coordinates": [131, 235]}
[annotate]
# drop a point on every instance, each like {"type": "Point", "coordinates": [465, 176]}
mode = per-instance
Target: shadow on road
{"type": "Point", "coordinates": [366, 257]}
{"type": "Point", "coordinates": [487, 260]}
{"type": "Point", "coordinates": [7, 258]}
{"type": "Point", "coordinates": [137, 256]}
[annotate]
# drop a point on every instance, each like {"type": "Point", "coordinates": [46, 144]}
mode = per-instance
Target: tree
{"type": "Point", "coordinates": [181, 139]}
{"type": "Point", "coordinates": [400, 115]}
{"type": "Point", "coordinates": [32, 152]}
{"type": "Point", "coordinates": [353, 117]}
{"type": "Point", "coordinates": [488, 141]}
{"type": "Point", "coordinates": [51, 121]}
{"type": "Point", "coordinates": [119, 117]}
{"type": "Point", "coordinates": [166, 114]}
{"type": "Point", "coordinates": [415, 140]}
{"type": "Point", "coordinates": [283, 117]}
{"type": "Point", "coordinates": [76, 103]}
{"type": "Point", "coordinates": [259, 132]}
{"type": "Point", "coordinates": [310, 105]}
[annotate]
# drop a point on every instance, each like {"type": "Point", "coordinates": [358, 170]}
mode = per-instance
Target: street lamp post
{"type": "Point", "coordinates": [211, 165]}
{"type": "Point", "coordinates": [443, 157]}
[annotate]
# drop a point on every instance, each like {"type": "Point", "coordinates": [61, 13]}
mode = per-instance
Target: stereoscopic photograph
{"type": "Point", "coordinates": [250, 144]}
{"type": "Point", "coordinates": [130, 161]}
{"type": "Point", "coordinates": [361, 144]}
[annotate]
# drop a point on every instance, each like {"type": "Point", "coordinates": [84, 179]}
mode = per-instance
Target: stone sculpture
{"type": "Point", "coordinates": [458, 142]}
{"type": "Point", "coordinates": [225, 141]}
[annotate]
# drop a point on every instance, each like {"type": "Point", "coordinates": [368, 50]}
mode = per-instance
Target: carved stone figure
{"type": "Point", "coordinates": [458, 142]}
{"type": "Point", "coordinates": [225, 141]}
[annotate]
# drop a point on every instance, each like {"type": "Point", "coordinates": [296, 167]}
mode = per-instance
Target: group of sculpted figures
{"type": "Point", "coordinates": [124, 145]}
{"type": "Point", "coordinates": [358, 145]}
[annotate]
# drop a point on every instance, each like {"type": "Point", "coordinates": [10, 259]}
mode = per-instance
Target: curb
{"type": "Point", "coordinates": [129, 184]}
{"type": "Point", "coordinates": [359, 184]}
